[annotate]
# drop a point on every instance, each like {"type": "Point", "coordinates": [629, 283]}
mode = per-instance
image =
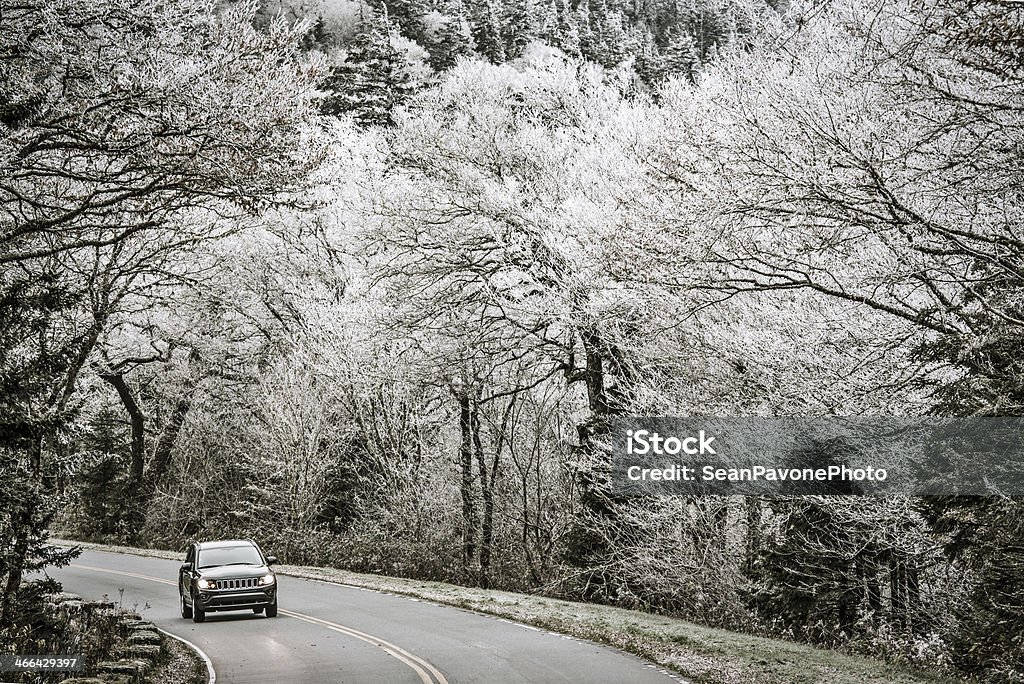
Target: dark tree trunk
{"type": "Point", "coordinates": [469, 521]}
{"type": "Point", "coordinates": [721, 524]}
{"type": "Point", "coordinates": [144, 482]}
{"type": "Point", "coordinates": [138, 425]}
{"type": "Point", "coordinates": [594, 374]}
{"type": "Point", "coordinates": [487, 494]}
{"type": "Point", "coordinates": [165, 445]}
{"type": "Point", "coordinates": [872, 586]}
{"type": "Point", "coordinates": [19, 553]}
{"type": "Point", "coordinates": [88, 343]}
{"type": "Point", "coordinates": [591, 546]}
{"type": "Point", "coordinates": [753, 536]}
{"type": "Point", "coordinates": [913, 595]}
{"type": "Point", "coordinates": [897, 591]}
{"type": "Point", "coordinates": [849, 599]}
{"type": "Point", "coordinates": [595, 489]}
{"type": "Point", "coordinates": [18, 557]}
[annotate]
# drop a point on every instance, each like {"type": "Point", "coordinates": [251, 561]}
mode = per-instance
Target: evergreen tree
{"type": "Point", "coordinates": [711, 26]}
{"type": "Point", "coordinates": [454, 38]}
{"type": "Point", "coordinates": [582, 19]}
{"type": "Point", "coordinates": [34, 358]}
{"type": "Point", "coordinates": [372, 80]}
{"type": "Point", "coordinates": [984, 532]}
{"type": "Point", "coordinates": [648, 61]}
{"type": "Point", "coordinates": [821, 574]}
{"type": "Point", "coordinates": [566, 35]}
{"type": "Point", "coordinates": [26, 511]}
{"type": "Point", "coordinates": [813, 593]}
{"type": "Point", "coordinates": [486, 30]}
{"type": "Point", "coordinates": [407, 15]}
{"type": "Point", "coordinates": [105, 493]}
{"type": "Point", "coordinates": [546, 22]}
{"type": "Point", "coordinates": [520, 26]}
{"type": "Point", "coordinates": [603, 39]}
{"type": "Point", "coordinates": [680, 57]}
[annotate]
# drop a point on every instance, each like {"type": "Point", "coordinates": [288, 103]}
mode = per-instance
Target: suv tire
{"type": "Point", "coordinates": [198, 614]}
{"type": "Point", "coordinates": [272, 609]}
{"type": "Point", "coordinates": [186, 611]}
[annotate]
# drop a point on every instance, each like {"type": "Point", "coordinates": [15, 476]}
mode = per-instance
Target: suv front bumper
{"type": "Point", "coordinates": [214, 600]}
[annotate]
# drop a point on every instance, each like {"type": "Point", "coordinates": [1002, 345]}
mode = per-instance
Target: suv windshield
{"type": "Point", "coordinates": [229, 555]}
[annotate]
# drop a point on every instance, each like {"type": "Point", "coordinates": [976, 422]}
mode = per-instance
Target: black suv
{"type": "Point", "coordinates": [226, 575]}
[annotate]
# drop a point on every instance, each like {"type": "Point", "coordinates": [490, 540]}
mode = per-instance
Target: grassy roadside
{"type": "Point", "coordinates": [183, 665]}
{"type": "Point", "coordinates": [699, 654]}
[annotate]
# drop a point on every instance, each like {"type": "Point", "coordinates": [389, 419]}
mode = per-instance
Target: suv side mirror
{"type": "Point", "coordinates": [186, 567]}
{"type": "Point", "coordinates": [271, 560]}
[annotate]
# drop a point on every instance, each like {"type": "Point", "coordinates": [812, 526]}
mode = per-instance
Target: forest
{"type": "Point", "coordinates": [367, 280]}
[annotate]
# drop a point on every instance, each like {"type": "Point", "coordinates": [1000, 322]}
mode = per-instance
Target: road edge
{"type": "Point", "coordinates": [211, 674]}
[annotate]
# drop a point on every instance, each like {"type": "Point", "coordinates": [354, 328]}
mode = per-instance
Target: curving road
{"type": "Point", "coordinates": [328, 633]}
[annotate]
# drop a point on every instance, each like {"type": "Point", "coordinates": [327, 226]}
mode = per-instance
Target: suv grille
{"type": "Point", "coordinates": [248, 583]}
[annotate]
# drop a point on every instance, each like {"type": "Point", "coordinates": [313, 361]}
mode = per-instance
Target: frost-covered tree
{"type": "Point", "coordinates": [869, 161]}
{"type": "Point", "coordinates": [132, 131]}
{"type": "Point", "coordinates": [373, 79]}
{"type": "Point", "coordinates": [522, 24]}
{"type": "Point", "coordinates": [453, 38]}
{"type": "Point", "coordinates": [486, 29]}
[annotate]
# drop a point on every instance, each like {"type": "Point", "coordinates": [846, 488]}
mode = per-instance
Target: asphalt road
{"type": "Point", "coordinates": [333, 633]}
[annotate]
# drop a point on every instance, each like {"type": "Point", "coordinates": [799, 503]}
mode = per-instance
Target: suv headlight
{"type": "Point", "coordinates": [267, 579]}
{"type": "Point", "coordinates": [206, 584]}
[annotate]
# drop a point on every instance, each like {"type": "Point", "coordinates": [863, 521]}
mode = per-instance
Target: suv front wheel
{"type": "Point", "coordinates": [272, 608]}
{"type": "Point", "coordinates": [186, 612]}
{"type": "Point", "coordinates": [198, 614]}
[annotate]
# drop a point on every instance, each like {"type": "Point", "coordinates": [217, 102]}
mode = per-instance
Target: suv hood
{"type": "Point", "coordinates": [233, 571]}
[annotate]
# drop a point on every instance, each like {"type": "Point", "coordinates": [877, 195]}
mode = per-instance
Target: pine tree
{"type": "Point", "coordinates": [546, 20]}
{"type": "Point", "coordinates": [407, 15]}
{"type": "Point", "coordinates": [602, 38]}
{"type": "Point", "coordinates": [566, 35]}
{"type": "Point", "coordinates": [33, 360]}
{"type": "Point", "coordinates": [680, 57]}
{"type": "Point", "coordinates": [26, 511]}
{"type": "Point", "coordinates": [820, 574]}
{"type": "Point", "coordinates": [372, 80]}
{"type": "Point", "coordinates": [813, 592]}
{"type": "Point", "coordinates": [520, 26]}
{"type": "Point", "coordinates": [486, 30]}
{"type": "Point", "coordinates": [984, 532]}
{"type": "Point", "coordinates": [454, 39]}
{"type": "Point", "coordinates": [648, 62]}
{"type": "Point", "coordinates": [712, 27]}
